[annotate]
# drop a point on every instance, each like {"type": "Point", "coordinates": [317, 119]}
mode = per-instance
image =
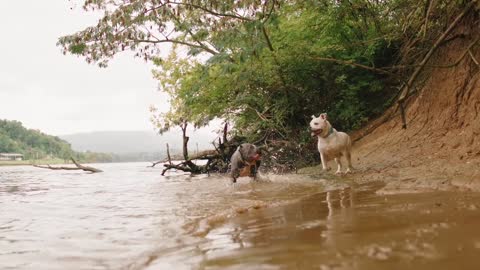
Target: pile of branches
{"type": "Point", "coordinates": [217, 159]}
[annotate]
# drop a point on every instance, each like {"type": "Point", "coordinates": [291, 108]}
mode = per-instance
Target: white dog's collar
{"type": "Point", "coordinates": [330, 132]}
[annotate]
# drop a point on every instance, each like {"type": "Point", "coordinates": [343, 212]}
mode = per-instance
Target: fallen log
{"type": "Point", "coordinates": [78, 167]}
{"type": "Point", "coordinates": [206, 154]}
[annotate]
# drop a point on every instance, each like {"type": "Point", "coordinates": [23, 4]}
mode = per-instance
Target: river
{"type": "Point", "coordinates": [131, 217]}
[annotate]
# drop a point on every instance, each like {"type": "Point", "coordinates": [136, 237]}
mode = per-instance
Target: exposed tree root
{"type": "Point", "coordinates": [418, 70]}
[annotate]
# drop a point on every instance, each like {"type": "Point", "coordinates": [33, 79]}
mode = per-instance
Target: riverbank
{"type": "Point", "coordinates": [408, 176]}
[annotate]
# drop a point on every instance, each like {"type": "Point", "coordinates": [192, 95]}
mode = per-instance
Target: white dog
{"type": "Point", "coordinates": [331, 143]}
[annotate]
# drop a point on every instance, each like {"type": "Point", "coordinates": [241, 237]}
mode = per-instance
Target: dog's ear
{"type": "Point", "coordinates": [323, 116]}
{"type": "Point", "coordinates": [313, 116]}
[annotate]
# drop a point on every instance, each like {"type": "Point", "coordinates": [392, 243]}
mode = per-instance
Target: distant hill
{"type": "Point", "coordinates": [94, 146]}
{"type": "Point", "coordinates": [33, 144]}
{"type": "Point", "coordinates": [128, 142]}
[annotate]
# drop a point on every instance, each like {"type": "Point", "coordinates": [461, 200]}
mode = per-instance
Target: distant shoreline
{"type": "Point", "coordinates": [7, 163]}
{"type": "Point", "coordinates": [31, 162]}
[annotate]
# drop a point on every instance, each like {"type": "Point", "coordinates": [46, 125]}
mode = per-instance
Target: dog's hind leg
{"type": "Point", "coordinates": [339, 165]}
{"type": "Point", "coordinates": [348, 156]}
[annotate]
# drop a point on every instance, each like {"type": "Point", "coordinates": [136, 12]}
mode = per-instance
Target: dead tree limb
{"type": "Point", "coordinates": [428, 7]}
{"type": "Point", "coordinates": [183, 126]}
{"type": "Point", "coordinates": [168, 159]}
{"type": "Point", "coordinates": [56, 168]}
{"type": "Point", "coordinates": [217, 159]}
{"type": "Point", "coordinates": [156, 163]}
{"type": "Point", "coordinates": [78, 167]}
{"type": "Point", "coordinates": [454, 64]}
{"type": "Point", "coordinates": [473, 56]}
{"type": "Point", "coordinates": [85, 168]}
{"type": "Point", "coordinates": [419, 69]}
{"type": "Point", "coordinates": [168, 155]}
{"type": "Point", "coordinates": [225, 129]}
{"type": "Point", "coordinates": [205, 155]}
{"type": "Point", "coordinates": [183, 166]}
{"type": "Point", "coordinates": [187, 165]}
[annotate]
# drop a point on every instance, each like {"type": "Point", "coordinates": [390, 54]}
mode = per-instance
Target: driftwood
{"type": "Point", "coordinates": [418, 70]}
{"type": "Point", "coordinates": [187, 165]}
{"type": "Point", "coordinates": [205, 155]}
{"type": "Point", "coordinates": [78, 167]}
{"type": "Point", "coordinates": [217, 159]}
{"type": "Point", "coordinates": [156, 163]}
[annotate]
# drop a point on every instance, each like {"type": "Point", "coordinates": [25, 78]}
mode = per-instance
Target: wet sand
{"type": "Point", "coordinates": [353, 228]}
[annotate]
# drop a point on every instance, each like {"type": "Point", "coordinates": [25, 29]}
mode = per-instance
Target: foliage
{"type": "Point", "coordinates": [274, 80]}
{"type": "Point", "coordinates": [268, 65]}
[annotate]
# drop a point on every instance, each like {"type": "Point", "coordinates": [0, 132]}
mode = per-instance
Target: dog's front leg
{"type": "Point", "coordinates": [254, 169]}
{"type": "Point", "coordinates": [235, 174]}
{"type": "Point", "coordinates": [324, 162]}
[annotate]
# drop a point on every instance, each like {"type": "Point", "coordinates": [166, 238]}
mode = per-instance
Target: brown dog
{"type": "Point", "coordinates": [245, 161]}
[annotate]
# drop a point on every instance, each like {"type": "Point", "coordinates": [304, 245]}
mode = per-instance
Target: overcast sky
{"type": "Point", "coordinates": [62, 94]}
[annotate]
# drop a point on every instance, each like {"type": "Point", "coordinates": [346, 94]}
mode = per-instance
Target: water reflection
{"type": "Point", "coordinates": [350, 228]}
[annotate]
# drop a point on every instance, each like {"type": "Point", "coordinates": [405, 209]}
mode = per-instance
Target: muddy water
{"type": "Point", "coordinates": [130, 217]}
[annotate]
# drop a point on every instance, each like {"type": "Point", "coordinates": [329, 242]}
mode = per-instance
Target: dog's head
{"type": "Point", "coordinates": [319, 126]}
{"type": "Point", "coordinates": [250, 152]}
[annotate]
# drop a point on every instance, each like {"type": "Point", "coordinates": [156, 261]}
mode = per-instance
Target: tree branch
{"type": "Point", "coordinates": [200, 44]}
{"type": "Point", "coordinates": [175, 42]}
{"type": "Point", "coordinates": [473, 57]}
{"type": "Point", "coordinates": [467, 51]}
{"type": "Point", "coordinates": [85, 168]}
{"type": "Point", "coordinates": [214, 13]}
{"type": "Point", "coordinates": [269, 43]}
{"type": "Point", "coordinates": [351, 63]}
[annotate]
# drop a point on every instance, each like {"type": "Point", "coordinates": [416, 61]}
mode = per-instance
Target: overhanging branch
{"type": "Point", "coordinates": [175, 42]}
